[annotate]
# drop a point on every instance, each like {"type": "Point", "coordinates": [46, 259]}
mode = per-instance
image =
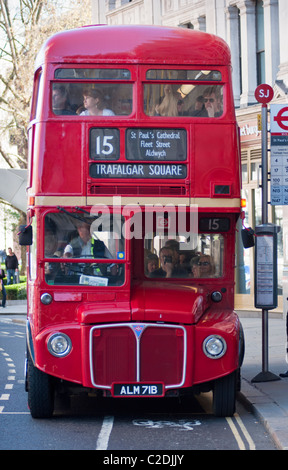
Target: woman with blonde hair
{"type": "Point", "coordinates": [168, 106]}
{"type": "Point", "coordinates": [202, 266]}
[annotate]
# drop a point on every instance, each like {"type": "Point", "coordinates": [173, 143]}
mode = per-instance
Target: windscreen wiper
{"type": "Point", "coordinates": [72, 214]}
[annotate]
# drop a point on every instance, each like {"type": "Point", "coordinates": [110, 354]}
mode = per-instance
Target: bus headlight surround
{"type": "Point", "coordinates": [214, 346]}
{"type": "Point", "coordinates": [59, 344]}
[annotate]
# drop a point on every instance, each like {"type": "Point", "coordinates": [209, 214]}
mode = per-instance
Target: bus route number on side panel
{"type": "Point", "coordinates": [214, 224]}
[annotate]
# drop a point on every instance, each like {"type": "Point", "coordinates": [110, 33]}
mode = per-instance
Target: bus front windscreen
{"type": "Point", "coordinates": [96, 243]}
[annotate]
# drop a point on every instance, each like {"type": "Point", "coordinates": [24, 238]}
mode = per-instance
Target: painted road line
{"type": "Point", "coordinates": [239, 440]}
{"type": "Point", "coordinates": [103, 438]}
{"type": "Point", "coordinates": [4, 396]}
{"type": "Point", "coordinates": [236, 434]}
{"type": "Point", "coordinates": [245, 432]}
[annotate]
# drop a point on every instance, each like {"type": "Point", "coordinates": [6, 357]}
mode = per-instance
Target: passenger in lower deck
{"type": "Point", "coordinates": [168, 267]}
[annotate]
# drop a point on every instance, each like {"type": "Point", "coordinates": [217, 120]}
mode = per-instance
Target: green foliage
{"type": "Point", "coordinates": [16, 291]}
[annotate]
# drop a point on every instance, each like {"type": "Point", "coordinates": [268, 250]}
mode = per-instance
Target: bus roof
{"type": "Point", "coordinates": [134, 44]}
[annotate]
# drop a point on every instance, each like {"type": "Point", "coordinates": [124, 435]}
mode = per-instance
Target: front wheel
{"type": "Point", "coordinates": [224, 395]}
{"type": "Point", "coordinates": [40, 392]}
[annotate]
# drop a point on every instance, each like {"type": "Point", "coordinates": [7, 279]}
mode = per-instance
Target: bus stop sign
{"type": "Point", "coordinates": [281, 120]}
{"type": "Point", "coordinates": [264, 93]}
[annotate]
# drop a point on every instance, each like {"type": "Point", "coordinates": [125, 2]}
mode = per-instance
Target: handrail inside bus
{"type": "Point", "coordinates": [85, 260]}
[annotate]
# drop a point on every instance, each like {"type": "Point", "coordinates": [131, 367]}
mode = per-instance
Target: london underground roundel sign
{"type": "Point", "coordinates": [264, 93]}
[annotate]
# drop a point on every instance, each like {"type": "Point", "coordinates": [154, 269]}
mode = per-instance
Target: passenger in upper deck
{"type": "Point", "coordinates": [212, 102]}
{"type": "Point", "coordinates": [94, 103]}
{"type": "Point", "coordinates": [60, 101]}
{"type": "Point", "coordinates": [199, 106]}
{"type": "Point", "coordinates": [169, 103]}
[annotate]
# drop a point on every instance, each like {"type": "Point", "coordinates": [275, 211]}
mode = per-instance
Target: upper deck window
{"type": "Point", "coordinates": [183, 99]}
{"type": "Point", "coordinates": [183, 75]}
{"type": "Point", "coordinates": [93, 74]}
{"type": "Point", "coordinates": [91, 99]}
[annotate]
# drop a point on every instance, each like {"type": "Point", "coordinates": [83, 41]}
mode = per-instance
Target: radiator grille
{"type": "Point", "coordinates": [137, 353]}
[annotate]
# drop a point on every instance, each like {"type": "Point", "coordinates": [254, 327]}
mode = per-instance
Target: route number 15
{"type": "Point", "coordinates": [104, 144]}
{"type": "Point", "coordinates": [214, 224]}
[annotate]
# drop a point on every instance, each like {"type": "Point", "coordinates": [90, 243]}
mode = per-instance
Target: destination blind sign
{"type": "Point", "coordinates": [156, 144]}
{"type": "Point", "coordinates": [138, 170]}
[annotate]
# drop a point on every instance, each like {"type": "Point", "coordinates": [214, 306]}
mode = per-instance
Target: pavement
{"type": "Point", "coordinates": [267, 400]}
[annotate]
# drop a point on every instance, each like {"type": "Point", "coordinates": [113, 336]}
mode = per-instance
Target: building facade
{"type": "Point", "coordinates": [256, 33]}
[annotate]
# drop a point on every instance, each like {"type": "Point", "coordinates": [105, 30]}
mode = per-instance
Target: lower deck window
{"type": "Point", "coordinates": [84, 274]}
{"type": "Point", "coordinates": [171, 258]}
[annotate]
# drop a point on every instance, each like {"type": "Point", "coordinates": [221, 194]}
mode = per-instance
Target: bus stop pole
{"type": "Point", "coordinates": [265, 375]}
{"type": "Point", "coordinates": [264, 163]}
{"type": "Point", "coordinates": [264, 183]}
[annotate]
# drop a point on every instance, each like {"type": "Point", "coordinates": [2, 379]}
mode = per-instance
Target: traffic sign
{"type": "Point", "coordinates": [279, 154]}
{"type": "Point", "coordinates": [279, 118]}
{"type": "Point", "coordinates": [264, 93]}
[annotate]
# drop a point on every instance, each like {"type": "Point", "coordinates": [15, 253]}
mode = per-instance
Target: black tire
{"type": "Point", "coordinates": [40, 392]}
{"type": "Point", "coordinates": [224, 395]}
{"type": "Point", "coordinates": [241, 357]}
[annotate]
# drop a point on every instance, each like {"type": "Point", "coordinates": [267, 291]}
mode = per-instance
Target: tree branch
{"type": "Point", "coordinates": [9, 32]}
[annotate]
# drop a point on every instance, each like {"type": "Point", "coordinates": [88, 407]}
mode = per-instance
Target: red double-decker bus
{"type": "Point", "coordinates": [134, 195]}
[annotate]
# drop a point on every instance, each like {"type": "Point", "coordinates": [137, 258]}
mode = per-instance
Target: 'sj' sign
{"type": "Point", "coordinates": [264, 93]}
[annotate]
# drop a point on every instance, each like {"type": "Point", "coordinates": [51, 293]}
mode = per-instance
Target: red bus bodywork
{"type": "Point", "coordinates": [145, 331]}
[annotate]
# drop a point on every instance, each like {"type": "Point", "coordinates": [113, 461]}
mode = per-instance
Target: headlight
{"type": "Point", "coordinates": [59, 344]}
{"type": "Point", "coordinates": [214, 346]}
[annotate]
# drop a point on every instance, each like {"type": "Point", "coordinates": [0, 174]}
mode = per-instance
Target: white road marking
{"type": "Point", "coordinates": [181, 424]}
{"type": "Point", "coordinates": [104, 435]}
{"type": "Point", "coordinates": [9, 386]}
{"type": "Point", "coordinates": [4, 396]}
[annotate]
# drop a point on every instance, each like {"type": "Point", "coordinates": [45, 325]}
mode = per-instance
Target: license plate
{"type": "Point", "coordinates": [138, 390]}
